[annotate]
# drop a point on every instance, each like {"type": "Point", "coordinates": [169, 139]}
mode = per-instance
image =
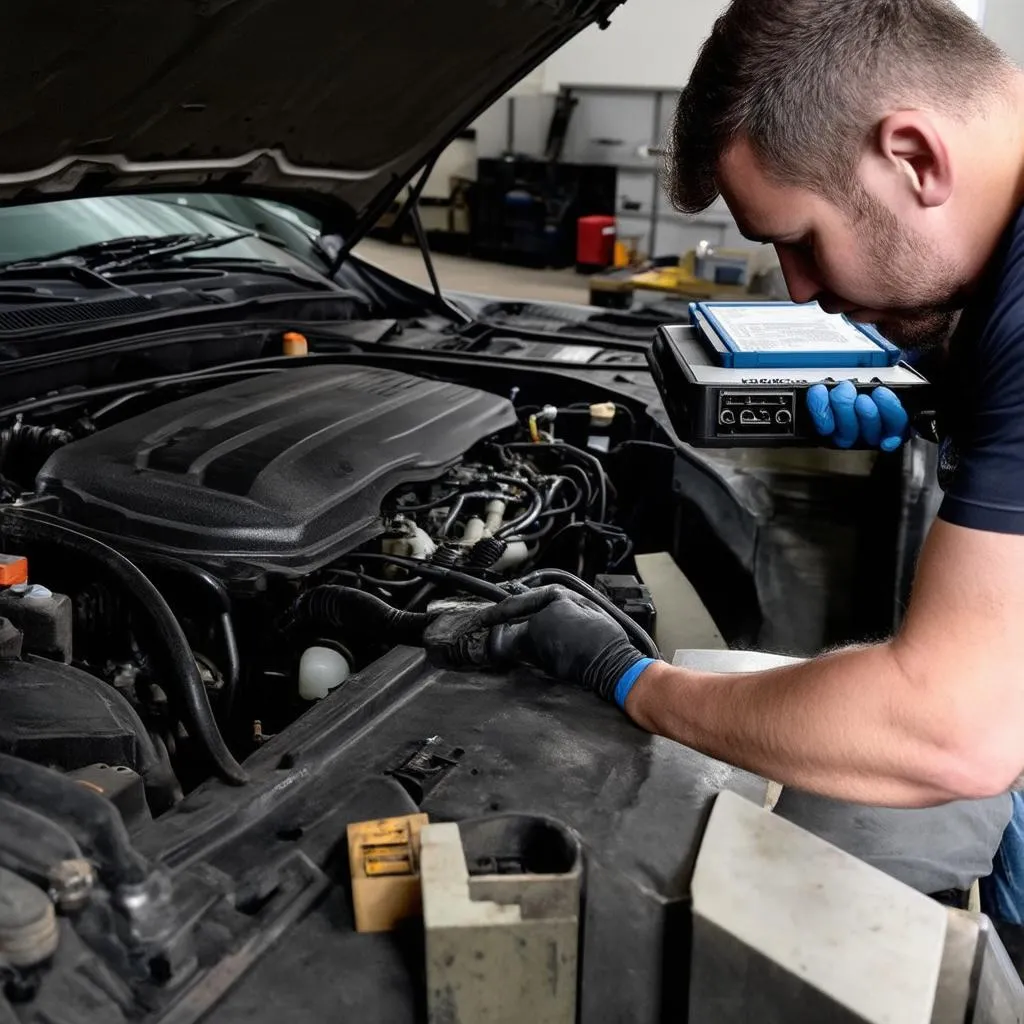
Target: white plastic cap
{"type": "Point", "coordinates": [320, 671]}
{"type": "Point", "coordinates": [31, 591]}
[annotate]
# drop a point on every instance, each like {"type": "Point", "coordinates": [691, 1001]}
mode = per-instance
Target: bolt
{"type": "Point", "coordinates": [71, 884]}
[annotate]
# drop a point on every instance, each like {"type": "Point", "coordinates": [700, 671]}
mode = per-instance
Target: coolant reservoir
{"type": "Point", "coordinates": [320, 671]}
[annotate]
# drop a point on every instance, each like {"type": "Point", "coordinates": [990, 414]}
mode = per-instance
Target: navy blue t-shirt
{"type": "Point", "coordinates": [981, 421]}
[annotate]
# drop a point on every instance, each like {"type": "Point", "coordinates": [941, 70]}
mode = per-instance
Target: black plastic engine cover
{"type": "Point", "coordinates": [283, 470]}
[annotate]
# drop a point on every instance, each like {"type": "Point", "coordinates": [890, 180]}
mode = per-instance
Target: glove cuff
{"type": "Point", "coordinates": [625, 685]}
{"type": "Point", "coordinates": [609, 667]}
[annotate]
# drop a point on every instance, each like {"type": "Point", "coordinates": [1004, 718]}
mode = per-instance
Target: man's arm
{"type": "Point", "coordinates": [934, 715]}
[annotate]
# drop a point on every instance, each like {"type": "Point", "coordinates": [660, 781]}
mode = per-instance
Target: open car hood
{"type": "Point", "coordinates": [330, 104]}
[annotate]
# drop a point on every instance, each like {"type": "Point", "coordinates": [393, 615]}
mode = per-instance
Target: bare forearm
{"type": "Point", "coordinates": [851, 726]}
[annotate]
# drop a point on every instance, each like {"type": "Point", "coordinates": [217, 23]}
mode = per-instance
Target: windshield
{"type": "Point", "coordinates": [35, 231]}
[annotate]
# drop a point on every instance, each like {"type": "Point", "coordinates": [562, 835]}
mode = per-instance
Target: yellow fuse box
{"type": "Point", "coordinates": [384, 862]}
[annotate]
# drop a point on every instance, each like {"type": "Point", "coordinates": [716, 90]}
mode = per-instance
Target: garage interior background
{"type": "Point", "coordinates": [625, 80]}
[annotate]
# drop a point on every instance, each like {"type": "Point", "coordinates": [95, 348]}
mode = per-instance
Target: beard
{"type": "Point", "coordinates": [921, 331]}
{"type": "Point", "coordinates": [909, 265]}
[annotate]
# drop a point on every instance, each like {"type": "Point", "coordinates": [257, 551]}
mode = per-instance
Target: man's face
{"type": "Point", "coordinates": [857, 259]}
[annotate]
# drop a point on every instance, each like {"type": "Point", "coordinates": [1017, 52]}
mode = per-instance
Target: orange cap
{"type": "Point", "coordinates": [13, 569]}
{"type": "Point", "coordinates": [295, 344]}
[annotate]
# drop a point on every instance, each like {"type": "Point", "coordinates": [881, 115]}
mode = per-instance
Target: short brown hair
{"type": "Point", "coordinates": [805, 81]}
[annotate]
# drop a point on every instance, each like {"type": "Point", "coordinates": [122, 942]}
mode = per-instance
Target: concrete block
{"type": "Point", "coordinates": [787, 928]}
{"type": "Point", "coordinates": [500, 949]}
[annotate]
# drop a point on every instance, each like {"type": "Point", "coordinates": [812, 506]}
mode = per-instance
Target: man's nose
{"type": "Point", "coordinates": [801, 279]}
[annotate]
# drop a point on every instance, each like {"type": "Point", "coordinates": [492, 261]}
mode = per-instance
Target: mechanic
{"type": "Point", "coordinates": [878, 145]}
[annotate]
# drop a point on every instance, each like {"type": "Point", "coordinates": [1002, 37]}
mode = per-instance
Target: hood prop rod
{"type": "Point", "coordinates": [412, 208]}
{"type": "Point", "coordinates": [421, 238]}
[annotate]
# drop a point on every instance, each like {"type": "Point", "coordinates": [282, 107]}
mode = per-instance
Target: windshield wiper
{"type": "Point", "coordinates": [187, 243]}
{"type": "Point", "coordinates": [125, 252]}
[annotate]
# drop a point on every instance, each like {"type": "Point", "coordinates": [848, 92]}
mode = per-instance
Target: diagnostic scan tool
{"type": "Point", "coordinates": [732, 391]}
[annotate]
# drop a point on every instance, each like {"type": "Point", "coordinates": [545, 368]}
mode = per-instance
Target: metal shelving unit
{"type": "Point", "coordinates": [658, 211]}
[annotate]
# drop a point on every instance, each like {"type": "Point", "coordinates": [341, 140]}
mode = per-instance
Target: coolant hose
{"type": "Point", "coordinates": [91, 820]}
{"type": "Point", "coordinates": [635, 632]}
{"type": "Point", "coordinates": [180, 663]}
{"type": "Point", "coordinates": [367, 614]}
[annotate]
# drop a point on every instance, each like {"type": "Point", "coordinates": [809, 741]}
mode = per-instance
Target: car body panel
{"type": "Point", "coordinates": [334, 103]}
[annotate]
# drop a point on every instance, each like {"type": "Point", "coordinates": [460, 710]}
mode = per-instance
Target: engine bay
{"type": "Point", "coordinates": [197, 575]}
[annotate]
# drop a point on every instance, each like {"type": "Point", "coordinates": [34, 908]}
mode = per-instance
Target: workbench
{"type": "Point", "coordinates": [616, 289]}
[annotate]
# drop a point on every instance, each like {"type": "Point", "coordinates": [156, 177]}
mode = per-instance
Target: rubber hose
{"type": "Point", "coordinates": [522, 522]}
{"type": "Point", "coordinates": [31, 843]}
{"type": "Point", "coordinates": [641, 640]}
{"type": "Point", "coordinates": [421, 597]}
{"type": "Point", "coordinates": [591, 459]}
{"type": "Point", "coordinates": [486, 552]}
{"type": "Point", "coordinates": [91, 820]}
{"type": "Point", "coordinates": [344, 607]}
{"type": "Point", "coordinates": [188, 685]}
{"type": "Point", "coordinates": [232, 664]}
{"type": "Point", "coordinates": [445, 556]}
{"type": "Point", "coordinates": [541, 577]}
{"type": "Point", "coordinates": [216, 589]}
{"type": "Point", "coordinates": [471, 496]}
{"type": "Point", "coordinates": [460, 580]}
{"type": "Point", "coordinates": [531, 514]}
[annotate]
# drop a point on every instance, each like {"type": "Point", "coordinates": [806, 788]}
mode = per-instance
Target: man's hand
{"type": "Point", "coordinates": [569, 638]}
{"type": "Point", "coordinates": [878, 419]}
{"type": "Point", "coordinates": [551, 628]}
{"type": "Point", "coordinates": [458, 639]}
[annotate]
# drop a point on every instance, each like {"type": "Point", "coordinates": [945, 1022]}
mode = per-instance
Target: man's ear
{"type": "Point", "coordinates": [911, 144]}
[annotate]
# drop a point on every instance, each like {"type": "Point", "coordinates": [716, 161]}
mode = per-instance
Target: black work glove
{"type": "Point", "coordinates": [459, 638]}
{"type": "Point", "coordinates": [553, 629]}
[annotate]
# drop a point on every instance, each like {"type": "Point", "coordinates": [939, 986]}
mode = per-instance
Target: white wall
{"type": "Point", "coordinates": [975, 8]}
{"type": "Point", "coordinates": [1004, 22]}
{"type": "Point", "coordinates": [654, 43]}
{"type": "Point", "coordinates": [651, 43]}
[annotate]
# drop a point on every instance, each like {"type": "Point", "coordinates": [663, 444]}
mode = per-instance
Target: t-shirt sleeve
{"type": "Point", "coordinates": [986, 486]}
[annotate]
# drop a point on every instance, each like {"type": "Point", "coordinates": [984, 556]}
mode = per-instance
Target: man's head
{"type": "Point", "coordinates": [875, 143]}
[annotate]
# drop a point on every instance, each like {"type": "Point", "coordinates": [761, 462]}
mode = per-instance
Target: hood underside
{"type": "Point", "coordinates": [330, 104]}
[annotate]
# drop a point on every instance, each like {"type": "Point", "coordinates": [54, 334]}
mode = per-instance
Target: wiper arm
{"type": "Point", "coordinates": [186, 243]}
{"type": "Point", "coordinates": [128, 251]}
{"type": "Point", "coordinates": [133, 243]}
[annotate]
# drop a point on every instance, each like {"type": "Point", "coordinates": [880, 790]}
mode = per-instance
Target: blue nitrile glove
{"type": "Point", "coordinates": [878, 419]}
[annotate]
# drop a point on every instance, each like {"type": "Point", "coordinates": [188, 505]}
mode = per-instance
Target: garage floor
{"type": "Point", "coordinates": [457, 273]}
